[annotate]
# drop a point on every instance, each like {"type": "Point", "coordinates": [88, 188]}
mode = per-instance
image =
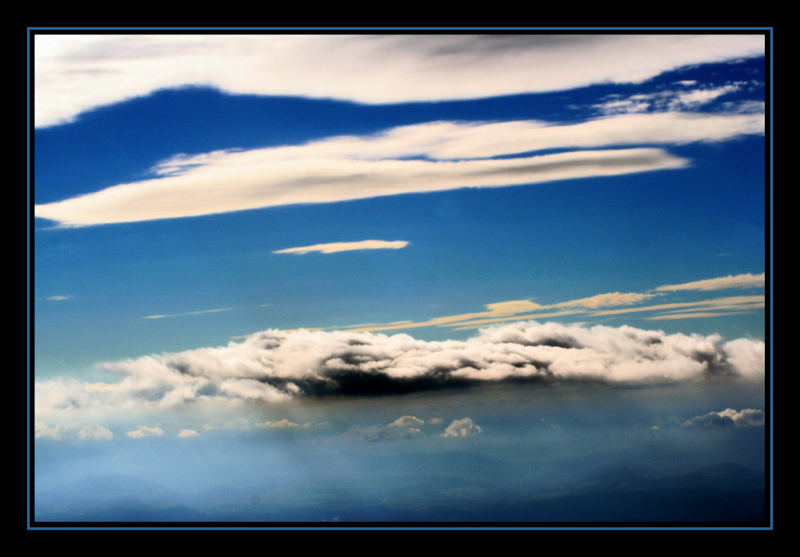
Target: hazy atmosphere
{"type": "Point", "coordinates": [425, 279]}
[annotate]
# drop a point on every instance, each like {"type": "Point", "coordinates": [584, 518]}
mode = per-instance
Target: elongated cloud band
{"type": "Point", "coordinates": [409, 159]}
{"type": "Point", "coordinates": [279, 366]}
{"type": "Point", "coordinates": [747, 280]}
{"type": "Point", "coordinates": [75, 73]}
{"type": "Point", "coordinates": [336, 247]}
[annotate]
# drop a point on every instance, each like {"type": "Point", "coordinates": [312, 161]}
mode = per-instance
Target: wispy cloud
{"type": "Point", "coordinates": [59, 298]}
{"type": "Point", "coordinates": [747, 280]}
{"type": "Point", "coordinates": [336, 247]}
{"type": "Point", "coordinates": [200, 312]}
{"type": "Point", "coordinates": [452, 155]}
{"type": "Point", "coordinates": [686, 98]}
{"type": "Point", "coordinates": [76, 73]}
{"type": "Point", "coordinates": [271, 177]}
{"type": "Point", "coordinates": [693, 315]}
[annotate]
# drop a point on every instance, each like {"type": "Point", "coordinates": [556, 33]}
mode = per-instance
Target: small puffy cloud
{"type": "Point", "coordinates": [94, 432]}
{"type": "Point", "coordinates": [404, 427]}
{"type": "Point", "coordinates": [187, 433]}
{"type": "Point", "coordinates": [461, 428]}
{"type": "Point", "coordinates": [234, 423]}
{"type": "Point", "coordinates": [748, 417]}
{"type": "Point", "coordinates": [59, 298]}
{"type": "Point", "coordinates": [60, 432]}
{"type": "Point", "coordinates": [747, 280]}
{"type": "Point", "coordinates": [145, 431]}
{"type": "Point", "coordinates": [279, 424]}
{"type": "Point", "coordinates": [337, 247]}
{"type": "Point", "coordinates": [407, 421]}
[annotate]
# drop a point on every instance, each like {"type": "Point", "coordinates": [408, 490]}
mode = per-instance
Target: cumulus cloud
{"type": "Point", "coordinates": [145, 431]}
{"type": "Point", "coordinates": [461, 428]}
{"type": "Point", "coordinates": [746, 280]}
{"type": "Point", "coordinates": [748, 417]}
{"type": "Point", "coordinates": [336, 247]}
{"type": "Point", "coordinates": [75, 73]}
{"type": "Point", "coordinates": [187, 433]}
{"type": "Point", "coordinates": [281, 366]}
{"type": "Point", "coordinates": [404, 427]}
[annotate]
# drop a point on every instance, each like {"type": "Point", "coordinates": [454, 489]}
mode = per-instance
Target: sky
{"type": "Point", "coordinates": [301, 277]}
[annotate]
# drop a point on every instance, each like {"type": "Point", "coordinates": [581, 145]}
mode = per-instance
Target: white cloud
{"type": "Point", "coordinates": [747, 280]}
{"type": "Point", "coordinates": [199, 312]}
{"type": "Point", "coordinates": [95, 432]}
{"type": "Point", "coordinates": [457, 155]}
{"type": "Point", "coordinates": [279, 366]}
{"type": "Point", "coordinates": [59, 298]}
{"type": "Point", "coordinates": [271, 177]}
{"type": "Point", "coordinates": [63, 431]}
{"type": "Point", "coordinates": [748, 417]}
{"type": "Point", "coordinates": [187, 433]}
{"type": "Point", "coordinates": [336, 247]}
{"type": "Point", "coordinates": [279, 424]}
{"type": "Point", "coordinates": [75, 73]}
{"type": "Point", "coordinates": [234, 423]}
{"type": "Point", "coordinates": [669, 100]}
{"type": "Point", "coordinates": [404, 427]}
{"type": "Point", "coordinates": [606, 300]}
{"type": "Point", "coordinates": [145, 431]}
{"type": "Point", "coordinates": [461, 428]}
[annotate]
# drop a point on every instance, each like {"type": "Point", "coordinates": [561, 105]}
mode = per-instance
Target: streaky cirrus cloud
{"type": "Point", "coordinates": [464, 427]}
{"type": "Point", "coordinates": [419, 158]}
{"type": "Point", "coordinates": [198, 312]}
{"type": "Point", "coordinates": [76, 73]}
{"type": "Point", "coordinates": [748, 417]}
{"type": "Point", "coordinates": [337, 247]}
{"type": "Point", "coordinates": [234, 183]}
{"type": "Point", "coordinates": [746, 280]}
{"type": "Point", "coordinates": [279, 366]}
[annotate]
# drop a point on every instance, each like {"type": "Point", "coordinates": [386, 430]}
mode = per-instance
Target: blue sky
{"type": "Point", "coordinates": [197, 196]}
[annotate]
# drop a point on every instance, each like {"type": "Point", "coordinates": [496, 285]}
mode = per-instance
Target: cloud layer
{"type": "Point", "coordinates": [280, 366]}
{"type": "Point", "coordinates": [76, 73]}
